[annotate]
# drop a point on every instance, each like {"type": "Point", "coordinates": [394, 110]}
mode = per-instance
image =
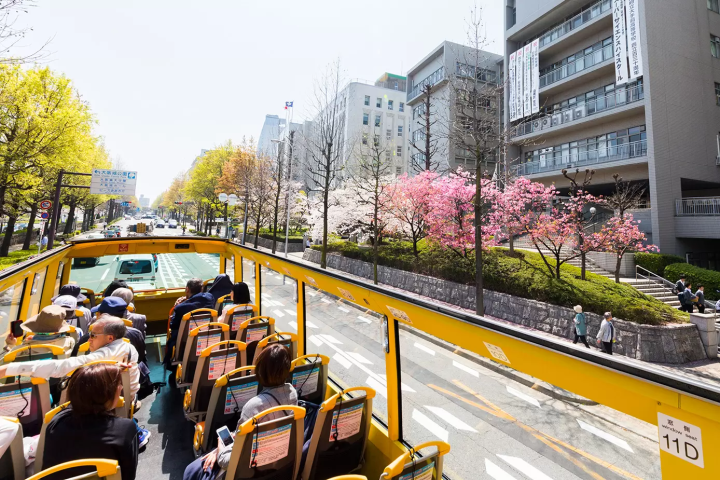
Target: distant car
{"type": "Point", "coordinates": [160, 224]}
{"type": "Point", "coordinates": [127, 217]}
{"type": "Point", "coordinates": [138, 270]}
{"type": "Point", "coordinates": [93, 236]}
{"type": "Point", "coordinates": [85, 261]}
{"type": "Point", "coordinates": [172, 224]}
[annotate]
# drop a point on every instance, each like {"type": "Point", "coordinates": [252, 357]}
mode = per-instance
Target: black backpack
{"type": "Point", "coordinates": [147, 386]}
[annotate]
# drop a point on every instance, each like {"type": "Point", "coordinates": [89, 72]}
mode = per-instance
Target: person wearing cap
{"type": "Point", "coordinates": [138, 321]}
{"type": "Point", "coordinates": [82, 300]}
{"type": "Point", "coordinates": [580, 326]}
{"type": "Point", "coordinates": [114, 285]}
{"type": "Point", "coordinates": [72, 315]}
{"type": "Point", "coordinates": [47, 328]}
{"type": "Point", "coordinates": [116, 307]}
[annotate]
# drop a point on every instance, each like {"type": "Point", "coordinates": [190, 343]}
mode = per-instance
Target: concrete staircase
{"type": "Point", "coordinates": [658, 291]}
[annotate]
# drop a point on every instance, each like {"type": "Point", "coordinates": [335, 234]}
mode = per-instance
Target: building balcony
{"type": "Point", "coordinates": [434, 78]}
{"type": "Point", "coordinates": [697, 217]}
{"type": "Point", "coordinates": [590, 21]}
{"type": "Point", "coordinates": [561, 77]}
{"type": "Point", "coordinates": [697, 207]}
{"type": "Point", "coordinates": [587, 158]}
{"type": "Point", "coordinates": [582, 114]}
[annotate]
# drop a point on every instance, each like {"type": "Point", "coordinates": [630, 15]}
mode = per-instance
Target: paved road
{"type": "Point", "coordinates": [498, 428]}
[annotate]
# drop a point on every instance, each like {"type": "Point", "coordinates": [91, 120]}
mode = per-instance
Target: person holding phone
{"type": "Point", "coordinates": [47, 327]}
{"type": "Point", "coordinates": [272, 370]}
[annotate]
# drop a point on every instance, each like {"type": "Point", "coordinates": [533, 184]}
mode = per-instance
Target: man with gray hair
{"type": "Point", "coordinates": [606, 336]}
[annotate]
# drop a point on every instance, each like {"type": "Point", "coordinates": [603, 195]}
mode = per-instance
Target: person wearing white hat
{"type": "Point", "coordinates": [580, 326]}
{"type": "Point", "coordinates": [47, 328]}
{"type": "Point", "coordinates": [73, 315]}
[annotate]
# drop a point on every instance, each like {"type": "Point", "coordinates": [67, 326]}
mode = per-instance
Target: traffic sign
{"type": "Point", "coordinates": [44, 215]}
{"type": "Point", "coordinates": [113, 182]}
{"type": "Point", "coordinates": [223, 197]}
{"type": "Point", "coordinates": [125, 204]}
{"type": "Point", "coordinates": [45, 204]}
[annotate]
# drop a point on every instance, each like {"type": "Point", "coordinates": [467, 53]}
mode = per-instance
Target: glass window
{"type": "Point", "coordinates": [390, 104]}
{"type": "Point", "coordinates": [401, 107]}
{"type": "Point", "coordinates": [367, 100]}
{"type": "Point", "coordinates": [713, 5]}
{"type": "Point", "coordinates": [378, 103]}
{"type": "Point", "coordinates": [400, 130]}
{"type": "Point", "coordinates": [714, 46]}
{"type": "Point", "coordinates": [377, 120]}
{"type": "Point", "coordinates": [58, 279]}
{"type": "Point", "coordinates": [399, 151]}
{"type": "Point", "coordinates": [230, 267]}
{"type": "Point", "coordinates": [717, 93]}
{"type": "Point", "coordinates": [388, 134]}
{"type": "Point", "coordinates": [366, 119]}
{"type": "Point", "coordinates": [10, 303]}
{"type": "Point", "coordinates": [248, 267]}
{"type": "Point", "coordinates": [36, 292]}
{"type": "Point", "coordinates": [398, 170]}
{"type": "Point", "coordinates": [364, 139]}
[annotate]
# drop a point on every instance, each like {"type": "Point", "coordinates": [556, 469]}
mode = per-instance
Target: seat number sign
{"type": "Point", "coordinates": [680, 439]}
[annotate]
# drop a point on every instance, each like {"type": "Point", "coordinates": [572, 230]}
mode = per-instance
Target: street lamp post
{"type": "Point", "coordinates": [227, 200]}
{"type": "Point", "coordinates": [287, 192]}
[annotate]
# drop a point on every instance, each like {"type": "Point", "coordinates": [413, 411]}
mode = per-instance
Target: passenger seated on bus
{"type": "Point", "coordinates": [69, 303]}
{"type": "Point", "coordinates": [89, 428]}
{"type": "Point", "coordinates": [222, 285]}
{"type": "Point", "coordinates": [240, 295]}
{"type": "Point", "coordinates": [138, 321]}
{"type": "Point", "coordinates": [114, 285]}
{"type": "Point", "coordinates": [47, 327]}
{"type": "Point", "coordinates": [194, 299]}
{"type": "Point", "coordinates": [116, 307]}
{"type": "Point", "coordinates": [272, 370]}
{"type": "Point", "coordinates": [74, 290]}
{"type": "Point", "coordinates": [105, 344]}
{"type": "Point", "coordinates": [8, 432]}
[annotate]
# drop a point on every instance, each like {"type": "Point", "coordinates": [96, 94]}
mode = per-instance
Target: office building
{"type": "Point", "coordinates": [271, 129]}
{"type": "Point", "coordinates": [144, 201]}
{"type": "Point", "coordinates": [629, 87]}
{"type": "Point", "coordinates": [442, 66]}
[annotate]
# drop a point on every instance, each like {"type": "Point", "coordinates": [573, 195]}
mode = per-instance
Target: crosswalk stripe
{"type": "Point", "coordinates": [325, 300]}
{"type": "Point", "coordinates": [522, 396]}
{"type": "Point", "coordinates": [364, 319]}
{"type": "Point", "coordinates": [523, 467]}
{"type": "Point", "coordinates": [467, 369]}
{"type": "Point", "coordinates": [425, 349]}
{"type": "Point", "coordinates": [430, 425]}
{"type": "Point", "coordinates": [450, 418]}
{"type": "Point", "coordinates": [605, 436]}
{"type": "Point", "coordinates": [310, 324]}
{"type": "Point", "coordinates": [496, 472]}
{"type": "Point", "coordinates": [343, 309]}
{"type": "Point", "coordinates": [358, 357]}
{"type": "Point", "coordinates": [342, 361]}
{"type": "Point", "coordinates": [291, 312]}
{"type": "Point", "coordinates": [314, 339]}
{"type": "Point", "coordinates": [293, 325]}
{"type": "Point", "coordinates": [280, 314]}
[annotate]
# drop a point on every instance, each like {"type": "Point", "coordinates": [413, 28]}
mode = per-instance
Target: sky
{"type": "Point", "coordinates": [166, 79]}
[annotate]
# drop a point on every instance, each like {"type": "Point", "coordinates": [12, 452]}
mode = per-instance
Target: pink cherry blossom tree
{"type": "Point", "coordinates": [622, 235]}
{"type": "Point", "coordinates": [410, 199]}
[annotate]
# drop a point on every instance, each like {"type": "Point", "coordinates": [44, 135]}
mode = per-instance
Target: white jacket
{"type": "Point", "coordinates": [607, 334]}
{"type": "Point", "coordinates": [117, 350]}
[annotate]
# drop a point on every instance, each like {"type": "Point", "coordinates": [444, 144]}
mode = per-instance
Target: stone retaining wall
{"type": "Point", "coordinates": [267, 243]}
{"type": "Point", "coordinates": [664, 344]}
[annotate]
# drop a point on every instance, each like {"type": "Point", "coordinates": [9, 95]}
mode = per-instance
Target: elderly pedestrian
{"type": "Point", "coordinates": [606, 336]}
{"type": "Point", "coordinates": [580, 326]}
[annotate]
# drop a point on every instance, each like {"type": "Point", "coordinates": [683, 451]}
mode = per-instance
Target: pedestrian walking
{"type": "Point", "coordinates": [689, 298]}
{"type": "Point", "coordinates": [580, 326]}
{"type": "Point", "coordinates": [680, 285]}
{"type": "Point", "coordinates": [700, 294]}
{"type": "Point", "coordinates": [606, 335]}
{"type": "Point", "coordinates": [44, 242]}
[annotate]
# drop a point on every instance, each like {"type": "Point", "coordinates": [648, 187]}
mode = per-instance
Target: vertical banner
{"type": "Point", "coordinates": [519, 84]}
{"type": "Point", "coordinates": [619, 48]}
{"type": "Point", "coordinates": [527, 82]}
{"type": "Point", "coordinates": [511, 87]}
{"type": "Point", "coordinates": [633, 38]}
{"type": "Point", "coordinates": [535, 74]}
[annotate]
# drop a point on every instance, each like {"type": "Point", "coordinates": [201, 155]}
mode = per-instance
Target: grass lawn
{"type": "Point", "coordinates": [16, 257]}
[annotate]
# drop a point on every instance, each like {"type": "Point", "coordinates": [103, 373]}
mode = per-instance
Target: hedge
{"type": "Point", "coordinates": [525, 275]}
{"type": "Point", "coordinates": [656, 262]}
{"type": "Point", "coordinates": [697, 276]}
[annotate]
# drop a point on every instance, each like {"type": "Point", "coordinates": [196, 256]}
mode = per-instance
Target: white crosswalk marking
{"type": "Point", "coordinates": [380, 388]}
{"type": "Point", "coordinates": [343, 309]}
{"type": "Point", "coordinates": [524, 467]}
{"type": "Point", "coordinates": [330, 340]}
{"type": "Point", "coordinates": [358, 357]}
{"type": "Point", "coordinates": [522, 396]}
{"type": "Point", "coordinates": [291, 312]}
{"type": "Point", "coordinates": [425, 349]}
{"type": "Point", "coordinates": [310, 324]}
{"type": "Point", "coordinates": [467, 369]}
{"type": "Point", "coordinates": [496, 472]}
{"type": "Point", "coordinates": [364, 319]}
{"type": "Point", "coordinates": [431, 426]}
{"type": "Point", "coordinates": [280, 314]}
{"type": "Point", "coordinates": [314, 339]}
{"type": "Point", "coordinates": [293, 325]}
{"type": "Point", "coordinates": [325, 300]}
{"type": "Point", "coordinates": [312, 294]}
{"type": "Point", "coordinates": [342, 361]}
{"type": "Point", "coordinates": [450, 418]}
{"type": "Point", "coordinates": [605, 436]}
{"type": "Point", "coordinates": [404, 387]}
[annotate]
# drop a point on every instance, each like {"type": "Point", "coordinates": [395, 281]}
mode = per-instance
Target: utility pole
{"type": "Point", "coordinates": [287, 195]}
{"type": "Point", "coordinates": [56, 204]}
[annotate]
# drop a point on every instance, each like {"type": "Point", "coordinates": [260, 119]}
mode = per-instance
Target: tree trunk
{"type": "Point", "coordinates": [511, 243]}
{"type": "Point", "coordinates": [257, 227]}
{"type": "Point", "coordinates": [70, 219]}
{"type": "Point", "coordinates": [31, 225]}
{"type": "Point", "coordinates": [480, 300]}
{"type": "Point", "coordinates": [617, 268]}
{"type": "Point", "coordinates": [582, 265]}
{"type": "Point", "coordinates": [275, 219]}
{"type": "Point", "coordinates": [557, 266]}
{"type": "Point", "coordinates": [323, 250]}
{"type": "Point", "coordinates": [9, 230]}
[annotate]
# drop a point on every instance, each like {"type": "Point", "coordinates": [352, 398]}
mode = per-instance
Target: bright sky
{"type": "Point", "coordinates": [168, 78]}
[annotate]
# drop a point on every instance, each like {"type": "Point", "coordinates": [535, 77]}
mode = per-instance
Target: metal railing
{"type": "Point", "coordinates": [576, 66]}
{"type": "Point", "coordinates": [663, 283]}
{"type": "Point", "coordinates": [575, 22]}
{"type": "Point", "coordinates": [435, 77]}
{"type": "Point", "coordinates": [588, 157]}
{"type": "Point", "coordinates": [697, 207]}
{"type": "Point", "coordinates": [581, 110]}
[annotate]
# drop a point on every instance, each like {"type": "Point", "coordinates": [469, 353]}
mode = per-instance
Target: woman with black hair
{"type": "Point", "coordinates": [89, 428]}
{"type": "Point", "coordinates": [240, 295]}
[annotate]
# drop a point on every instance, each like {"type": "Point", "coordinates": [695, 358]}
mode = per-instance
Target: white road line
{"type": "Point", "coordinates": [523, 467]}
{"type": "Point", "coordinates": [358, 357]}
{"type": "Point", "coordinates": [450, 419]}
{"type": "Point", "coordinates": [107, 270]}
{"type": "Point", "coordinates": [314, 339]}
{"type": "Point", "coordinates": [280, 314]}
{"type": "Point", "coordinates": [292, 312]}
{"type": "Point", "coordinates": [325, 300]}
{"type": "Point", "coordinates": [380, 388]}
{"type": "Point", "coordinates": [329, 339]}
{"type": "Point", "coordinates": [605, 436]}
{"type": "Point", "coordinates": [312, 294]}
{"type": "Point", "coordinates": [403, 386]}
{"type": "Point", "coordinates": [293, 325]}
{"type": "Point", "coordinates": [364, 319]}
{"type": "Point", "coordinates": [496, 472]}
{"type": "Point", "coordinates": [310, 324]}
{"type": "Point", "coordinates": [162, 276]}
{"type": "Point", "coordinates": [467, 369]}
{"type": "Point", "coordinates": [522, 396]}
{"type": "Point", "coordinates": [431, 426]}
{"type": "Point", "coordinates": [343, 309]}
{"type": "Point", "coordinates": [342, 361]}
{"type": "Point", "coordinates": [425, 349]}
{"type": "Point", "coordinates": [278, 304]}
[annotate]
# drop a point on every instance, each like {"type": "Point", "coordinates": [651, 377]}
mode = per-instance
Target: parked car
{"type": "Point", "coordinates": [160, 224]}
{"type": "Point", "coordinates": [172, 224]}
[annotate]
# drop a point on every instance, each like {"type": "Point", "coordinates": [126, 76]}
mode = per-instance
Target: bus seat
{"type": "Point", "coordinates": [35, 392]}
{"type": "Point", "coordinates": [252, 330]}
{"type": "Point", "coordinates": [103, 469]}
{"type": "Point", "coordinates": [198, 339]}
{"type": "Point", "coordinates": [406, 464]}
{"type": "Point", "coordinates": [349, 477]}
{"type": "Point", "coordinates": [125, 378]}
{"type": "Point", "coordinates": [223, 302]}
{"type": "Point", "coordinates": [308, 374]}
{"type": "Point", "coordinates": [12, 463]}
{"type": "Point", "coordinates": [84, 349]}
{"type": "Point", "coordinates": [214, 362]}
{"type": "Point", "coordinates": [46, 352]}
{"type": "Point", "coordinates": [238, 314]}
{"type": "Point", "coordinates": [286, 339]}
{"type": "Point", "coordinates": [189, 321]}
{"type": "Point", "coordinates": [250, 448]}
{"type": "Point", "coordinates": [335, 451]}
{"type": "Point", "coordinates": [229, 395]}
{"type": "Point", "coordinates": [90, 300]}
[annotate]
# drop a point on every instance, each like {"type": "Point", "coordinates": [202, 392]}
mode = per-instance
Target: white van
{"type": "Point", "coordinates": [137, 270]}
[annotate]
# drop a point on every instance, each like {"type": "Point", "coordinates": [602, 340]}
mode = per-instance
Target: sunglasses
{"type": "Point", "coordinates": [95, 335]}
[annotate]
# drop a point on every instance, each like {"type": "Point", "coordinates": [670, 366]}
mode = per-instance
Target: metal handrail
{"type": "Point", "coordinates": [697, 207]}
{"type": "Point", "coordinates": [594, 10]}
{"type": "Point", "coordinates": [664, 282]}
{"type": "Point", "coordinates": [577, 66]}
{"type": "Point", "coordinates": [435, 77]}
{"type": "Point", "coordinates": [588, 157]}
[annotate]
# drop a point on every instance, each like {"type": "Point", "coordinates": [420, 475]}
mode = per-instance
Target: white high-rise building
{"type": "Point", "coordinates": [271, 130]}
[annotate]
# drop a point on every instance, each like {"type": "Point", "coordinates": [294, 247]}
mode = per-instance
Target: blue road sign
{"type": "Point", "coordinates": [44, 215]}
